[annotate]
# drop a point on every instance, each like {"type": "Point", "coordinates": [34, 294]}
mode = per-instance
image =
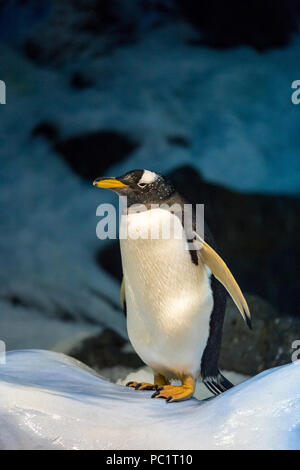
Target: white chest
{"type": "Point", "coordinates": [169, 300]}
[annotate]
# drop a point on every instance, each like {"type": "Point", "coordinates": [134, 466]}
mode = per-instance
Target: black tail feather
{"type": "Point", "coordinates": [217, 384]}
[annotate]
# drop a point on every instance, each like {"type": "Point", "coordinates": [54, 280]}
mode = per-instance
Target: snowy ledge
{"type": "Point", "coordinates": [50, 401]}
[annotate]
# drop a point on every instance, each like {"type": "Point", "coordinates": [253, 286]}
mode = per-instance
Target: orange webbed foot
{"type": "Point", "coordinates": [173, 393]}
{"type": "Point", "coordinates": [141, 385]}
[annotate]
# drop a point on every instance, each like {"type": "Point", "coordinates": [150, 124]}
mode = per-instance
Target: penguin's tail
{"type": "Point", "coordinates": [217, 384]}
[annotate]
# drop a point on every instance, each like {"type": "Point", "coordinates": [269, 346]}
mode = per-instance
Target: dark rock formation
{"type": "Point", "coordinates": [79, 81]}
{"type": "Point", "coordinates": [72, 25]}
{"type": "Point", "coordinates": [47, 130]}
{"type": "Point", "coordinates": [178, 141]}
{"type": "Point", "coordinates": [33, 50]}
{"type": "Point", "coordinates": [89, 155]}
{"type": "Point", "coordinates": [109, 258]}
{"type": "Point", "coordinates": [260, 24]}
{"type": "Point", "coordinates": [269, 344]}
{"type": "Point", "coordinates": [105, 350]}
{"type": "Point", "coordinates": [57, 32]}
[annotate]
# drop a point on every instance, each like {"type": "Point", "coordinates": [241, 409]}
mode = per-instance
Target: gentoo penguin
{"type": "Point", "coordinates": [173, 288]}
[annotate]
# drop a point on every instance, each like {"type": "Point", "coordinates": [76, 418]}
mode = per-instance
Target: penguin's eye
{"type": "Point", "coordinates": [142, 185]}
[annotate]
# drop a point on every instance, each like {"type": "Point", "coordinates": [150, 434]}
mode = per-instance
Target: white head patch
{"type": "Point", "coordinates": [148, 177]}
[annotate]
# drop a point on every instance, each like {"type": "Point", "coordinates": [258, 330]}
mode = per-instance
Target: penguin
{"type": "Point", "coordinates": [174, 287]}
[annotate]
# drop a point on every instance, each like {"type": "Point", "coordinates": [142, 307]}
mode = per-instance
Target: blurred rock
{"type": "Point", "coordinates": [79, 81]}
{"type": "Point", "coordinates": [33, 50]}
{"type": "Point", "coordinates": [262, 25]}
{"type": "Point", "coordinates": [178, 141]}
{"type": "Point", "coordinates": [269, 344]}
{"type": "Point", "coordinates": [109, 258]}
{"type": "Point", "coordinates": [99, 15]}
{"type": "Point", "coordinates": [74, 25]}
{"type": "Point", "coordinates": [20, 16]}
{"type": "Point", "coordinates": [106, 350]}
{"type": "Point", "coordinates": [46, 129]}
{"type": "Point", "coordinates": [90, 154]}
{"type": "Point", "coordinates": [56, 32]}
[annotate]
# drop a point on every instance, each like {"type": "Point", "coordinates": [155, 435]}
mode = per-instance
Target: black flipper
{"type": "Point", "coordinates": [123, 298]}
{"type": "Point", "coordinates": [217, 384]}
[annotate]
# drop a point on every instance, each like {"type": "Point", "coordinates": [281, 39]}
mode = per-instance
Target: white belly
{"type": "Point", "coordinates": [168, 298]}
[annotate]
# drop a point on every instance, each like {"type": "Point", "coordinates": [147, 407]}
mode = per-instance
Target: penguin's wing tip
{"type": "Point", "coordinates": [221, 271]}
{"type": "Point", "coordinates": [245, 311]}
{"type": "Point", "coordinates": [248, 322]}
{"type": "Point", "coordinates": [241, 304]}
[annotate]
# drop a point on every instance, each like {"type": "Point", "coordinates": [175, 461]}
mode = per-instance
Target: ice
{"type": "Point", "coordinates": [50, 401]}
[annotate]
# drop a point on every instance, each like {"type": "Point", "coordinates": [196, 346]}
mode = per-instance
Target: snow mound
{"type": "Point", "coordinates": [50, 401]}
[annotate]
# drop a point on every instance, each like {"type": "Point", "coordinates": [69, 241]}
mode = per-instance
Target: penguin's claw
{"type": "Point", "coordinates": [141, 386]}
{"type": "Point", "coordinates": [174, 393]}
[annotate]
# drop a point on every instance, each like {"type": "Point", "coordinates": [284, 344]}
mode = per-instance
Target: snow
{"type": "Point", "coordinates": [50, 401]}
{"type": "Point", "coordinates": [48, 238]}
{"type": "Point", "coordinates": [24, 327]}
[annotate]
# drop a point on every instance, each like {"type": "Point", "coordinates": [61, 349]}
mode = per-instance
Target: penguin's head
{"type": "Point", "coordinates": [139, 186]}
